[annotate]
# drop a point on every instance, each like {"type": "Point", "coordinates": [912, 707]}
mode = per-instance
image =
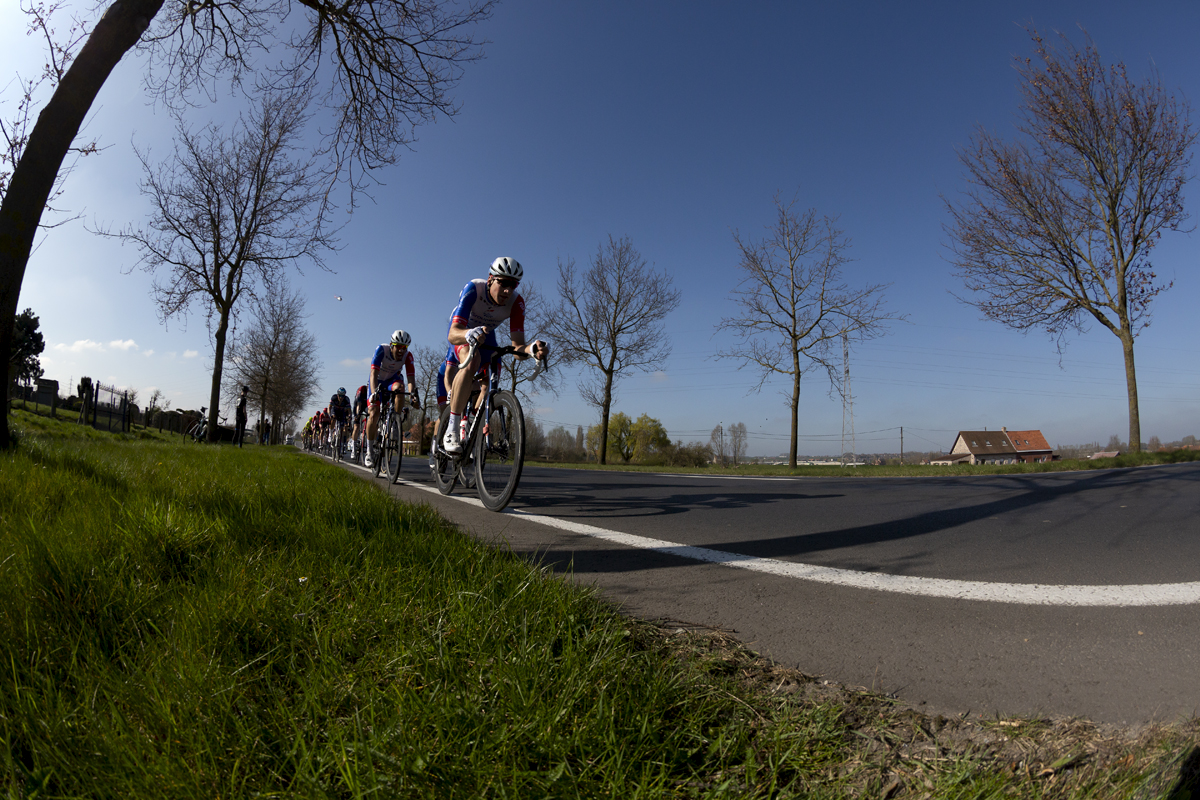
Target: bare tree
{"type": "Point", "coordinates": [793, 303]}
{"type": "Point", "coordinates": [718, 444]}
{"type": "Point", "coordinates": [737, 441]}
{"type": "Point", "coordinates": [609, 320]}
{"type": "Point", "coordinates": [15, 130]}
{"type": "Point", "coordinates": [276, 358]}
{"type": "Point", "coordinates": [1058, 228]}
{"type": "Point", "coordinates": [229, 214]}
{"type": "Point", "coordinates": [380, 66]}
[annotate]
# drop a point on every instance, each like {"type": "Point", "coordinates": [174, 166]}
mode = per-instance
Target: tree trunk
{"type": "Point", "coordinates": [214, 418]}
{"type": "Point", "coordinates": [1135, 422]}
{"type": "Point", "coordinates": [795, 409]}
{"type": "Point", "coordinates": [608, 379]}
{"type": "Point", "coordinates": [33, 179]}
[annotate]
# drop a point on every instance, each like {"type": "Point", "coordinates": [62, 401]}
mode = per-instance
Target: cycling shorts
{"type": "Point", "coordinates": [393, 384]}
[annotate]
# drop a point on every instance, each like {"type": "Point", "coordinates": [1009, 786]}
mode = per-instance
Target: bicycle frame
{"type": "Point", "coordinates": [450, 469]}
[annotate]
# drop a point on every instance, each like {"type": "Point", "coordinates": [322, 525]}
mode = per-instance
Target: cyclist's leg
{"type": "Point", "coordinates": [459, 396]}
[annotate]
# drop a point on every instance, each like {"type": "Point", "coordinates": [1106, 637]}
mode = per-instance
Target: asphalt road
{"type": "Point", "coordinates": [1064, 594]}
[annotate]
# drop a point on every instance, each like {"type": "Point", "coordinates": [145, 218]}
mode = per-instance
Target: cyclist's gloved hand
{"type": "Point", "coordinates": [539, 349]}
{"type": "Point", "coordinates": [476, 335]}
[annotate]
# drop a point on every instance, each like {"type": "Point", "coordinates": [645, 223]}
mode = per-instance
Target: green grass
{"type": "Point", "coordinates": [180, 620]}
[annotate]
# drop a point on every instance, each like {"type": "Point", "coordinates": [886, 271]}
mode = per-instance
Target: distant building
{"type": "Point", "coordinates": [997, 447]}
{"type": "Point", "coordinates": [1031, 446]}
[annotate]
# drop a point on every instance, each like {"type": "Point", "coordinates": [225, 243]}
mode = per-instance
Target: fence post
{"type": "Point", "coordinates": [95, 402]}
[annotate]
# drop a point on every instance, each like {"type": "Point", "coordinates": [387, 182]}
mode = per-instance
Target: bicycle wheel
{"type": "Point", "coordinates": [377, 447]}
{"type": "Point", "coordinates": [393, 448]}
{"type": "Point", "coordinates": [337, 444]}
{"type": "Point", "coordinates": [500, 452]}
{"type": "Point", "coordinates": [445, 473]}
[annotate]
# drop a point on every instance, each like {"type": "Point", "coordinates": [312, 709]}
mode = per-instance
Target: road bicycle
{"type": "Point", "coordinates": [199, 429]}
{"type": "Point", "coordinates": [389, 441]}
{"type": "Point", "coordinates": [341, 433]}
{"type": "Point", "coordinates": [359, 444]}
{"type": "Point", "coordinates": [493, 446]}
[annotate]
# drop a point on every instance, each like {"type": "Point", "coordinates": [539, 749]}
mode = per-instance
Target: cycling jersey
{"type": "Point", "coordinates": [475, 308]}
{"type": "Point", "coordinates": [387, 369]}
{"type": "Point", "coordinates": [360, 400]}
{"type": "Point", "coordinates": [339, 407]}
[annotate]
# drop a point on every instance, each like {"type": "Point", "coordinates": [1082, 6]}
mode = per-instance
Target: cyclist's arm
{"type": "Point", "coordinates": [411, 371]}
{"type": "Point", "coordinates": [458, 334]}
{"type": "Point", "coordinates": [523, 350]}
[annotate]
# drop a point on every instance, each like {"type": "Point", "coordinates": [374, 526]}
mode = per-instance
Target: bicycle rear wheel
{"type": "Point", "coordinates": [445, 472]}
{"type": "Point", "coordinates": [337, 444]}
{"type": "Point", "coordinates": [393, 448]}
{"type": "Point", "coordinates": [500, 452]}
{"type": "Point", "coordinates": [376, 447]}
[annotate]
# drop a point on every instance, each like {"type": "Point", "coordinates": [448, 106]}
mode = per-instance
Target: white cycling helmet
{"type": "Point", "coordinates": [401, 338]}
{"type": "Point", "coordinates": [504, 267]}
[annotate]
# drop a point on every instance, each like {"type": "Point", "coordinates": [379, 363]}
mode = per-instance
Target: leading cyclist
{"type": "Point", "coordinates": [483, 305]}
{"type": "Point", "coordinates": [390, 358]}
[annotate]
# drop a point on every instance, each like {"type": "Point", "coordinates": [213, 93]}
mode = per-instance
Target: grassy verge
{"type": "Point", "coordinates": [901, 471]}
{"type": "Point", "coordinates": [180, 620]}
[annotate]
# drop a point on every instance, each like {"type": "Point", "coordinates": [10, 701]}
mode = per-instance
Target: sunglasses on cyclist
{"type": "Point", "coordinates": [508, 283]}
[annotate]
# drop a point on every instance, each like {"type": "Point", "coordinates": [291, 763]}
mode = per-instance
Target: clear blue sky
{"type": "Point", "coordinates": [675, 124]}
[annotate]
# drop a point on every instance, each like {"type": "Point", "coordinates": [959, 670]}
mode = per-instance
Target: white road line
{"type": "Point", "coordinates": [1148, 594]}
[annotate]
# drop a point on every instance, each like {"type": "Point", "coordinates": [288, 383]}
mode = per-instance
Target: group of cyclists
{"type": "Point", "coordinates": [483, 304]}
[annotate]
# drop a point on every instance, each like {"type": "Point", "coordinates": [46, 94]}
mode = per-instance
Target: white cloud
{"type": "Point", "coordinates": [190, 353]}
{"type": "Point", "coordinates": [148, 353]}
{"type": "Point", "coordinates": [81, 346]}
{"type": "Point", "coordinates": [126, 345]}
{"type": "Point", "coordinates": [355, 362]}
{"type": "Point", "coordinates": [658, 376]}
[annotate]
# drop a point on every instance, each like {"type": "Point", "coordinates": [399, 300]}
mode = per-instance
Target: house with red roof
{"type": "Point", "coordinates": [997, 447]}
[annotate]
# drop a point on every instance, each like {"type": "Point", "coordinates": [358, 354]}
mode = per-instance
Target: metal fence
{"type": "Point", "coordinates": [105, 407]}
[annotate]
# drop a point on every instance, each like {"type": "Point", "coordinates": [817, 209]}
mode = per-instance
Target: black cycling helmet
{"type": "Point", "coordinates": [341, 391]}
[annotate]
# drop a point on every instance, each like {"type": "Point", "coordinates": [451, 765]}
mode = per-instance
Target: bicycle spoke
{"type": "Point", "coordinates": [500, 452]}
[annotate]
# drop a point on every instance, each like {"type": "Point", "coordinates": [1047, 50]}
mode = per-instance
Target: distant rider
{"type": "Point", "coordinates": [390, 358]}
{"type": "Point", "coordinates": [339, 408]}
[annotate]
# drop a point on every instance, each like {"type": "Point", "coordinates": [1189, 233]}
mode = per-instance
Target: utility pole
{"type": "Point", "coordinates": [902, 445]}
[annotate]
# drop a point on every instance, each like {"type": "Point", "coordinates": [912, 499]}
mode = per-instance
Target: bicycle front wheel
{"type": "Point", "coordinates": [500, 452]}
{"type": "Point", "coordinates": [393, 448]}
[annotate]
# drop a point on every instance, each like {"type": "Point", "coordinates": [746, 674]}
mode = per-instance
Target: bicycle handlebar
{"type": "Point", "coordinates": [506, 350]}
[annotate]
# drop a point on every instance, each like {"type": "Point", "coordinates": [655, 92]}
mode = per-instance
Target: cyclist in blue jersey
{"type": "Point", "coordinates": [482, 306]}
{"type": "Point", "coordinates": [339, 410]}
{"type": "Point", "coordinates": [391, 358]}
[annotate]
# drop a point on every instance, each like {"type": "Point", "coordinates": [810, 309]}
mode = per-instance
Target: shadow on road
{"type": "Point", "coordinates": [586, 502]}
